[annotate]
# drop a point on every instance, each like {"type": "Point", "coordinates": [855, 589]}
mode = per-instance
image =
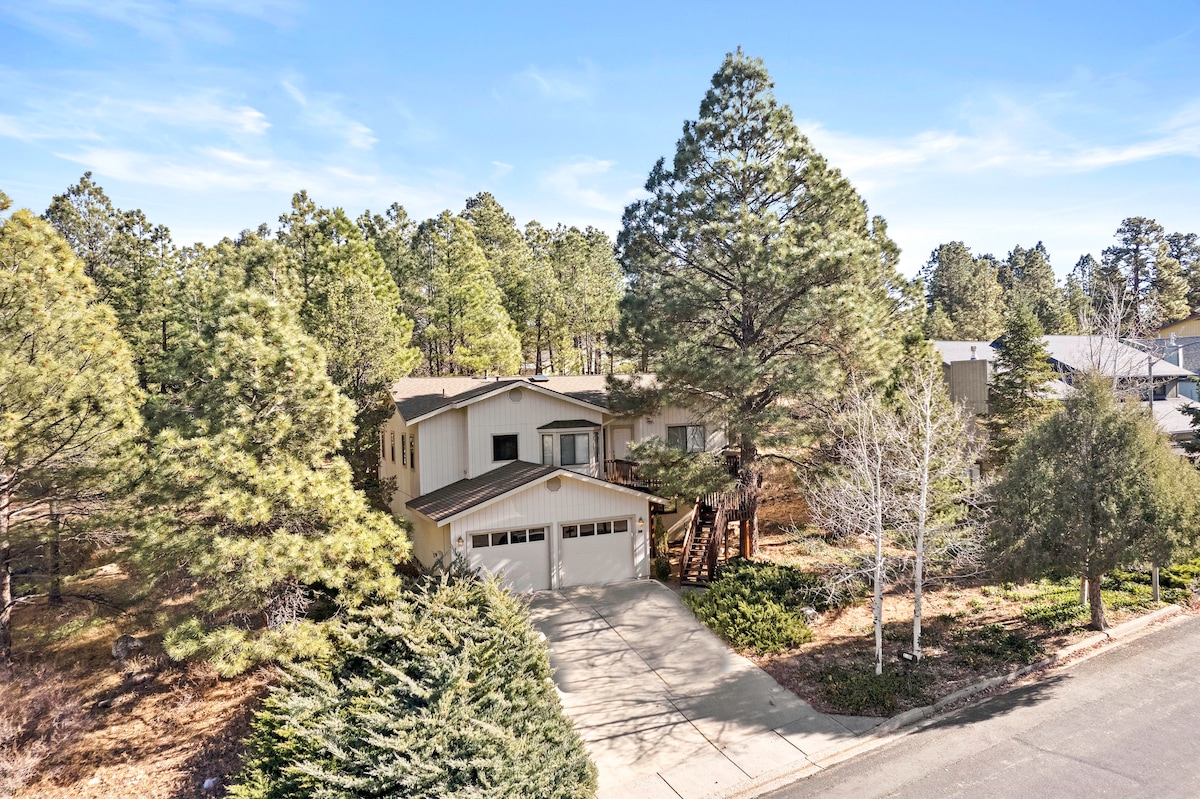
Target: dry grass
{"type": "Point", "coordinates": [77, 723]}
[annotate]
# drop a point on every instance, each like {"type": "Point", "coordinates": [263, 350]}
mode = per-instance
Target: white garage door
{"type": "Point", "coordinates": [597, 552]}
{"type": "Point", "coordinates": [520, 557]}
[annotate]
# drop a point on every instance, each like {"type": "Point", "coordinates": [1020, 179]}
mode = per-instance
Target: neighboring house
{"type": "Point", "coordinates": [527, 476]}
{"type": "Point", "coordinates": [968, 367]}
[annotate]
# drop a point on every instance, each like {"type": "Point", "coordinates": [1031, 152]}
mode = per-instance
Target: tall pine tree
{"type": "Point", "coordinates": [1018, 397]}
{"type": "Point", "coordinates": [771, 280]}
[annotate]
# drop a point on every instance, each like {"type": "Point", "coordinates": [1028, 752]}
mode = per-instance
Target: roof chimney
{"type": "Point", "coordinates": [972, 352]}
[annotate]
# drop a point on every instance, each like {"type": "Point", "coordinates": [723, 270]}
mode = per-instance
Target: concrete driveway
{"type": "Point", "coordinates": [666, 708]}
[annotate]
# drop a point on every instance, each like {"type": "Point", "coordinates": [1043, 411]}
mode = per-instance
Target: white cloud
{"type": "Point", "coordinates": [1022, 141]}
{"type": "Point", "coordinates": [500, 169]}
{"type": "Point", "coordinates": [561, 84]}
{"type": "Point", "coordinates": [162, 21]}
{"type": "Point", "coordinates": [321, 112]}
{"type": "Point", "coordinates": [577, 182]}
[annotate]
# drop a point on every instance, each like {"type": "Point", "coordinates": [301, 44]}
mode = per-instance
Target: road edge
{"type": "Point", "coordinates": [912, 720]}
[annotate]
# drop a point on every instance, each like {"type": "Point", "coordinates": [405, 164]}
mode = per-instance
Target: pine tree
{"type": "Point", "coordinates": [1093, 488]}
{"type": "Point", "coordinates": [770, 279]}
{"type": "Point", "coordinates": [1018, 396]}
{"type": "Point", "coordinates": [68, 392]}
{"type": "Point", "coordinates": [1028, 279]}
{"type": "Point", "coordinates": [248, 498]}
{"type": "Point", "coordinates": [466, 329]}
{"type": "Point", "coordinates": [509, 259]}
{"type": "Point", "coordinates": [963, 293]}
{"type": "Point", "coordinates": [1185, 249]}
{"type": "Point", "coordinates": [446, 693]}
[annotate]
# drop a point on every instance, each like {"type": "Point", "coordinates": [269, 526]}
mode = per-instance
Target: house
{"type": "Point", "coordinates": [968, 367]}
{"type": "Point", "coordinates": [528, 476]}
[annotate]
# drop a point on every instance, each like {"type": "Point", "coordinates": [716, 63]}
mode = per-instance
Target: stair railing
{"type": "Point", "coordinates": [686, 552]}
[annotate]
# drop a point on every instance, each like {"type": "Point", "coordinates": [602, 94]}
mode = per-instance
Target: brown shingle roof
{"type": "Point", "coordinates": [466, 494]}
{"type": "Point", "coordinates": [418, 396]}
{"type": "Point", "coordinates": [569, 424]}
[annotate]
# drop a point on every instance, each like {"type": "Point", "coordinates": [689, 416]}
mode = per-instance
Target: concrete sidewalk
{"type": "Point", "coordinates": [666, 708]}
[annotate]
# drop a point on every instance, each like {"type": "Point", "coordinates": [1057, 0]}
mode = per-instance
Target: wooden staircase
{"type": "Point", "coordinates": [705, 536]}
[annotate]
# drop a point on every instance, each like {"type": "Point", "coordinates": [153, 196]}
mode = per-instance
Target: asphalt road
{"type": "Point", "coordinates": [1122, 724]}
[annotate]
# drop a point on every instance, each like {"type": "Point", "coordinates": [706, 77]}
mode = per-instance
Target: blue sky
{"type": "Point", "coordinates": [997, 126]}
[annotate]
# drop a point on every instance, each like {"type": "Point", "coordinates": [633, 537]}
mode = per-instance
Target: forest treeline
{"type": "Point", "coordinates": [1147, 279]}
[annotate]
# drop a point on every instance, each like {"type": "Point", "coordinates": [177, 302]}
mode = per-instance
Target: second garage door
{"type": "Point", "coordinates": [597, 552]}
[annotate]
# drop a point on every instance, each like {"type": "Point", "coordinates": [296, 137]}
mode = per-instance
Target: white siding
{"type": "Point", "coordinates": [575, 501]}
{"type": "Point", "coordinates": [499, 415]}
{"type": "Point", "coordinates": [645, 427]}
{"type": "Point", "coordinates": [442, 450]}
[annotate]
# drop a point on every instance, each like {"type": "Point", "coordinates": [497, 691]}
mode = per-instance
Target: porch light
{"type": "Point", "coordinates": [641, 525]}
{"type": "Point", "coordinates": [459, 542]}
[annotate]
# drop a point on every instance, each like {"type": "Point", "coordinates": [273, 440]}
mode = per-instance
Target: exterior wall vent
{"type": "Point", "coordinates": [553, 484]}
{"type": "Point", "coordinates": [515, 395]}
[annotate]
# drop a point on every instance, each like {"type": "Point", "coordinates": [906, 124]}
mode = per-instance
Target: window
{"type": "Point", "coordinates": [382, 445]}
{"type": "Point", "coordinates": [412, 453]}
{"type": "Point", "coordinates": [574, 449]}
{"type": "Point", "coordinates": [404, 448]}
{"type": "Point", "coordinates": [508, 537]}
{"type": "Point", "coordinates": [547, 450]}
{"type": "Point", "coordinates": [689, 438]}
{"type": "Point", "coordinates": [392, 439]}
{"type": "Point", "coordinates": [584, 530]}
{"type": "Point", "coordinates": [504, 448]}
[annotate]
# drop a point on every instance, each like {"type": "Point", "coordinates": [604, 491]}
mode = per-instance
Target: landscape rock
{"type": "Point", "coordinates": [811, 616]}
{"type": "Point", "coordinates": [211, 784]}
{"type": "Point", "coordinates": [125, 646]}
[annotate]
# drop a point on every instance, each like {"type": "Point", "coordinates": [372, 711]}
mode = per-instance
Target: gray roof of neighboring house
{"type": "Point", "coordinates": [569, 424]}
{"type": "Point", "coordinates": [952, 351]}
{"type": "Point", "coordinates": [1072, 354]}
{"type": "Point", "coordinates": [466, 494]}
{"type": "Point", "coordinates": [1112, 358]}
{"type": "Point", "coordinates": [1169, 415]}
{"type": "Point", "coordinates": [418, 396]}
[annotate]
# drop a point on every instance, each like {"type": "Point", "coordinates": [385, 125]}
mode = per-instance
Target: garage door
{"type": "Point", "coordinates": [520, 557]}
{"type": "Point", "coordinates": [597, 552]}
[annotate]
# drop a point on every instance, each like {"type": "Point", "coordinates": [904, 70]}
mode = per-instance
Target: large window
{"type": "Point", "coordinates": [595, 528]}
{"type": "Point", "coordinates": [547, 450]}
{"type": "Point", "coordinates": [504, 448]}
{"type": "Point", "coordinates": [574, 449]}
{"type": "Point", "coordinates": [507, 537]}
{"type": "Point", "coordinates": [687, 437]}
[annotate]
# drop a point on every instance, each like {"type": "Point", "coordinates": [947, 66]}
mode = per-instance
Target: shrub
{"type": "Point", "coordinates": [861, 692]}
{"type": "Point", "coordinates": [993, 643]}
{"type": "Point", "coordinates": [443, 693]}
{"type": "Point", "coordinates": [747, 620]}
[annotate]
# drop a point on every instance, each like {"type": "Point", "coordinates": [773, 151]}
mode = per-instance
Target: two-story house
{"type": "Point", "coordinates": [527, 476]}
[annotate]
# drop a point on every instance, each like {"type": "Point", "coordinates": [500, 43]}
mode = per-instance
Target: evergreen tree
{"type": "Point", "coordinates": [134, 265]}
{"type": "Point", "coordinates": [1018, 397]}
{"type": "Point", "coordinates": [444, 694]}
{"type": "Point", "coordinates": [465, 329]}
{"type": "Point", "coordinates": [1185, 249]}
{"type": "Point", "coordinates": [545, 299]}
{"type": "Point", "coordinates": [68, 393]}
{"type": "Point", "coordinates": [509, 259]}
{"type": "Point", "coordinates": [770, 279]}
{"type": "Point", "coordinates": [1093, 488]}
{"type": "Point", "coordinates": [1028, 279]}
{"type": "Point", "coordinates": [1140, 250]}
{"type": "Point", "coordinates": [250, 501]}
{"type": "Point", "coordinates": [351, 305]}
{"type": "Point", "coordinates": [589, 290]}
{"type": "Point", "coordinates": [963, 293]}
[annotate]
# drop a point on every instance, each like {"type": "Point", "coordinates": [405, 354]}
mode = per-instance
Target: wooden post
{"type": "Point", "coordinates": [744, 537]}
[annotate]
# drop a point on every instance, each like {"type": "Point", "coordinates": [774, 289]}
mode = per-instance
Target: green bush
{"type": "Point", "coordinates": [747, 620]}
{"type": "Point", "coordinates": [445, 693]}
{"type": "Point", "coordinates": [993, 643]}
{"type": "Point", "coordinates": [861, 692]}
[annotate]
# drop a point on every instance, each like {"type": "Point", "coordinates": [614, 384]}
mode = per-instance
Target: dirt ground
{"type": "Point", "coordinates": [75, 722]}
{"type": "Point", "coordinates": [845, 638]}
